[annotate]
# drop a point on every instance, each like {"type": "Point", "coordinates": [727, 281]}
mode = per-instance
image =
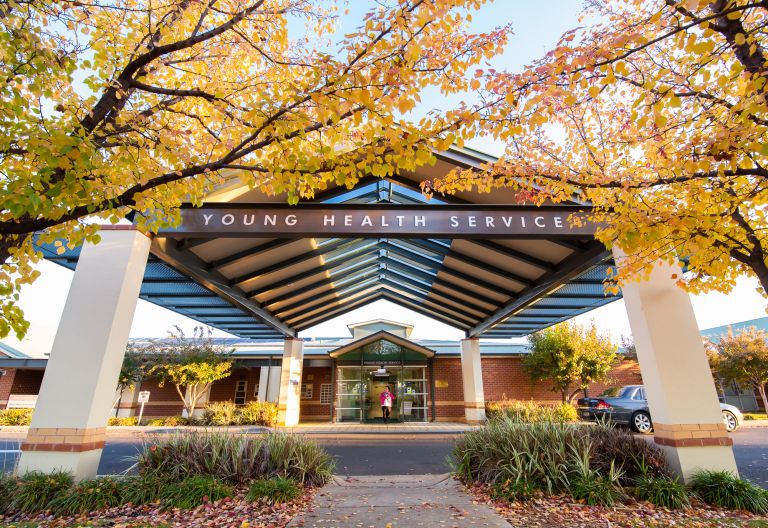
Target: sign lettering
{"type": "Point", "coordinates": [310, 220]}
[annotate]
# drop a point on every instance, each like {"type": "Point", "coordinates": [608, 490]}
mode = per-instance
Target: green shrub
{"type": "Point", "coordinates": [8, 487]}
{"type": "Point", "coordinates": [513, 491]}
{"type": "Point", "coordinates": [531, 412]}
{"type": "Point", "coordinates": [143, 489]}
{"type": "Point", "coordinates": [171, 421]}
{"type": "Point", "coordinates": [87, 496]}
{"type": "Point", "coordinates": [619, 447]}
{"type": "Point", "coordinates": [258, 413]}
{"type": "Point", "coordinates": [662, 491]}
{"type": "Point", "coordinates": [540, 453]}
{"type": "Point", "coordinates": [193, 491]}
{"type": "Point", "coordinates": [589, 485]}
{"type": "Point", "coordinates": [124, 421]}
{"type": "Point", "coordinates": [275, 490]}
{"type": "Point", "coordinates": [236, 458]}
{"type": "Point", "coordinates": [221, 413]}
{"type": "Point", "coordinates": [721, 488]}
{"type": "Point", "coordinates": [15, 417]}
{"type": "Point", "coordinates": [36, 490]}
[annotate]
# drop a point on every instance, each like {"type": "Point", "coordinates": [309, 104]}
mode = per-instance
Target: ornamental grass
{"type": "Point", "coordinates": [237, 458]}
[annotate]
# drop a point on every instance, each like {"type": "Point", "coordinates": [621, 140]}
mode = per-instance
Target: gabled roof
{"type": "Point", "coordinates": [382, 336]}
{"type": "Point", "coordinates": [9, 351]}
{"type": "Point", "coordinates": [716, 332]}
{"type": "Point", "coordinates": [408, 327]}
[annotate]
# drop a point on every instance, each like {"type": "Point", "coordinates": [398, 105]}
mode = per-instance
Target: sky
{"type": "Point", "coordinates": [537, 27]}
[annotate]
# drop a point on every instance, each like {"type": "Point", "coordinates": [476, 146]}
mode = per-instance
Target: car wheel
{"type": "Point", "coordinates": [731, 423]}
{"type": "Point", "coordinates": [641, 423]}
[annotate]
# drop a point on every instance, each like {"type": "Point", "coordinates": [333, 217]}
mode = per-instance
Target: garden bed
{"type": "Point", "coordinates": [226, 513]}
{"type": "Point", "coordinates": [562, 511]}
{"type": "Point", "coordinates": [184, 479]}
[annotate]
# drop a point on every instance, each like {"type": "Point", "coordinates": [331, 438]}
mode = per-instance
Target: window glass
{"type": "Point", "coordinates": [326, 393]}
{"type": "Point", "coordinates": [241, 388]}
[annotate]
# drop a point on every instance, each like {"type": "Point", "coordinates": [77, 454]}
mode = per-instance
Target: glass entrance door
{"type": "Point", "coordinates": [358, 394]}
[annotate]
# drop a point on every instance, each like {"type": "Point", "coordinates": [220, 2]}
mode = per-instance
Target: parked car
{"type": "Point", "coordinates": [628, 406]}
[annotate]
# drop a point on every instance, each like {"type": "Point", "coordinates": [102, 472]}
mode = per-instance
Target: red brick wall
{"type": "Point", "coordinates": [449, 401]}
{"type": "Point", "coordinates": [163, 401]}
{"type": "Point", "coordinates": [5, 386]}
{"type": "Point", "coordinates": [504, 378]}
{"type": "Point", "coordinates": [312, 410]}
{"type": "Point", "coordinates": [27, 382]}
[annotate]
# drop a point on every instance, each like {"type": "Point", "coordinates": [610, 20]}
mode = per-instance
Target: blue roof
{"type": "Point", "coordinates": [9, 351]}
{"type": "Point", "coordinates": [760, 323]}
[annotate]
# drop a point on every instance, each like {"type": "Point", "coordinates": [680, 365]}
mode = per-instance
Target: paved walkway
{"type": "Point", "coordinates": [398, 501]}
{"type": "Point", "coordinates": [393, 428]}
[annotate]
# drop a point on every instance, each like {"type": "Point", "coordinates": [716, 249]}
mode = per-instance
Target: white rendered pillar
{"type": "Point", "coordinates": [290, 383]}
{"type": "Point", "coordinates": [69, 423]}
{"type": "Point", "coordinates": [688, 424]}
{"type": "Point", "coordinates": [269, 384]}
{"type": "Point", "coordinates": [472, 377]}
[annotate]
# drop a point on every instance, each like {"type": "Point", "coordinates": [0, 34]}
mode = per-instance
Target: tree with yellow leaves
{"type": "Point", "coordinates": [658, 115]}
{"type": "Point", "coordinates": [120, 106]}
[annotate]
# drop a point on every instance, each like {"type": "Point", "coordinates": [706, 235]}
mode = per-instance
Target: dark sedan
{"type": "Point", "coordinates": [628, 406]}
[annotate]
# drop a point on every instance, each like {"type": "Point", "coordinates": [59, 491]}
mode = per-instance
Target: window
{"type": "Point", "coordinates": [326, 393]}
{"type": "Point", "coordinates": [240, 392]}
{"type": "Point", "coordinates": [256, 391]}
{"type": "Point", "coordinates": [306, 391]}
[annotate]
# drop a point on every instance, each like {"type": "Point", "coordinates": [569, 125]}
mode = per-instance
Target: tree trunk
{"type": "Point", "coordinates": [761, 390]}
{"type": "Point", "coordinates": [572, 395]}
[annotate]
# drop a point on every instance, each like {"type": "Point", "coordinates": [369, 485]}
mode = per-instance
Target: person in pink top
{"type": "Point", "coordinates": [386, 398]}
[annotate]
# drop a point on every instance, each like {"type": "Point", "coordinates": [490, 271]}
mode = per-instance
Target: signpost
{"type": "Point", "coordinates": [365, 220]}
{"type": "Point", "coordinates": [143, 398]}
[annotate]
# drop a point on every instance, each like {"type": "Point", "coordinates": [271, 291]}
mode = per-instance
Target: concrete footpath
{"type": "Point", "coordinates": [396, 501]}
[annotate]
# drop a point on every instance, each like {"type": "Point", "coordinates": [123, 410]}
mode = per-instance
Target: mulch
{"type": "Point", "coordinates": [562, 512]}
{"type": "Point", "coordinates": [234, 512]}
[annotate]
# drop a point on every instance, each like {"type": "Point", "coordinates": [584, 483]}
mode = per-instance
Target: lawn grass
{"type": "Point", "coordinates": [755, 416]}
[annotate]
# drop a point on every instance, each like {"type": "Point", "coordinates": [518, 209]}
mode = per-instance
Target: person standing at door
{"type": "Point", "coordinates": [386, 398]}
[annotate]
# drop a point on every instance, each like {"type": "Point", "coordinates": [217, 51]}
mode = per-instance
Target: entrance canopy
{"type": "Point", "coordinates": [249, 265]}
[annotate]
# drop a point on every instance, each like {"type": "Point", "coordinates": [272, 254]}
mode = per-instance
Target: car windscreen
{"type": "Point", "coordinates": [613, 392]}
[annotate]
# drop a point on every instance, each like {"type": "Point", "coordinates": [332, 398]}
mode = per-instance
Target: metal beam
{"type": "Point", "coordinates": [310, 303]}
{"type": "Point", "coordinates": [250, 252]}
{"type": "Point", "coordinates": [189, 243]}
{"type": "Point", "coordinates": [437, 281]}
{"type": "Point", "coordinates": [401, 276]}
{"type": "Point", "coordinates": [376, 220]}
{"type": "Point", "coordinates": [570, 268]}
{"type": "Point", "coordinates": [454, 273]}
{"type": "Point", "coordinates": [405, 302]}
{"type": "Point", "coordinates": [514, 254]}
{"type": "Point", "coordinates": [471, 261]}
{"type": "Point", "coordinates": [190, 264]}
{"type": "Point", "coordinates": [298, 259]}
{"type": "Point", "coordinates": [174, 295]}
{"type": "Point", "coordinates": [341, 309]}
{"type": "Point", "coordinates": [445, 309]}
{"type": "Point", "coordinates": [300, 318]}
{"type": "Point", "coordinates": [167, 280]}
{"type": "Point", "coordinates": [366, 268]}
{"type": "Point", "coordinates": [360, 258]}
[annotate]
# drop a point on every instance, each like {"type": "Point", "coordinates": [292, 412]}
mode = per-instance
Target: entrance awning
{"type": "Point", "coordinates": [265, 287]}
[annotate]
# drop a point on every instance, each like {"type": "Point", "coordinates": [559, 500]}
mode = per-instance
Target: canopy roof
{"type": "Point", "coordinates": [265, 288]}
